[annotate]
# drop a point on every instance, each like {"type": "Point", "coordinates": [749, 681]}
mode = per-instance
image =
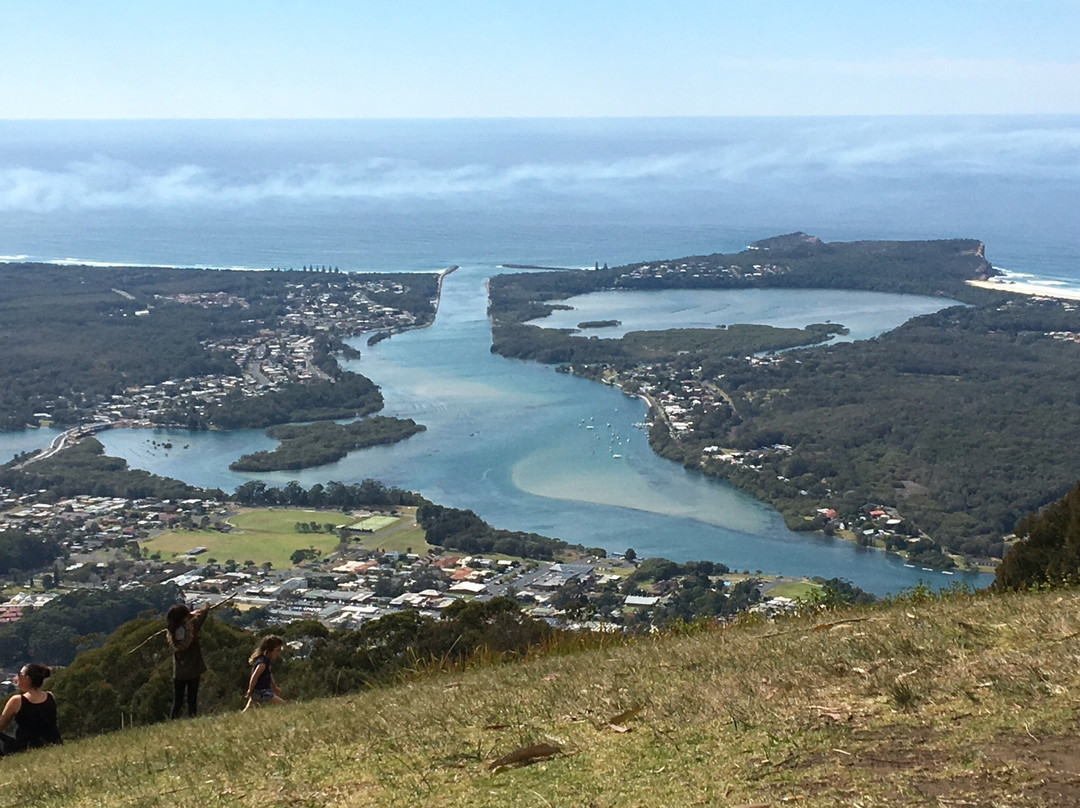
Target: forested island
{"type": "Point", "coordinates": [937, 436]}
{"type": "Point", "coordinates": [306, 445]}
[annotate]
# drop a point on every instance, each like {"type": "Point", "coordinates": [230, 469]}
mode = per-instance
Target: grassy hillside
{"type": "Point", "coordinates": [970, 701]}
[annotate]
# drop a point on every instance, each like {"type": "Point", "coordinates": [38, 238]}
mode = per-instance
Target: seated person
{"type": "Point", "coordinates": [34, 710]}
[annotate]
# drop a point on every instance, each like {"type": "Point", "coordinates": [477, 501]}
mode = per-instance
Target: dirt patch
{"type": "Point", "coordinates": [909, 488]}
{"type": "Point", "coordinates": [1033, 770]}
{"type": "Point", "coordinates": [1016, 770]}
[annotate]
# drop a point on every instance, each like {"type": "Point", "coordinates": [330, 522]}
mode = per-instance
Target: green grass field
{"type": "Point", "coordinates": [259, 535]}
{"type": "Point", "coordinates": [797, 590]}
{"type": "Point", "coordinates": [374, 523]}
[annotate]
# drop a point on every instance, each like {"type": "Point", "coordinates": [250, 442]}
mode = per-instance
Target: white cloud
{"type": "Point", "coordinates": [809, 147]}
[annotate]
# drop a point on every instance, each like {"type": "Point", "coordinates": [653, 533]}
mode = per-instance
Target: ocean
{"type": "Point", "coordinates": [507, 439]}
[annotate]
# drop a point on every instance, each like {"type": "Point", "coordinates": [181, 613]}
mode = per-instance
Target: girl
{"type": "Point", "coordinates": [188, 665]}
{"type": "Point", "coordinates": [262, 689]}
{"type": "Point", "coordinates": [34, 710]}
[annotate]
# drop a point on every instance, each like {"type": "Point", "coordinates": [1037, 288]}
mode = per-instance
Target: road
{"type": "Point", "coordinates": [65, 439]}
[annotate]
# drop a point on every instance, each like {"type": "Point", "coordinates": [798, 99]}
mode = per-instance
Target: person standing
{"type": "Point", "coordinates": [34, 710]}
{"type": "Point", "coordinates": [182, 628]}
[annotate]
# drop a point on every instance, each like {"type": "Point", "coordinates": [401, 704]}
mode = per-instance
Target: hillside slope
{"type": "Point", "coordinates": [968, 701]}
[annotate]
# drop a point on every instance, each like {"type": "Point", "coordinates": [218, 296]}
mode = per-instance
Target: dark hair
{"type": "Point", "coordinates": [37, 673]}
{"type": "Point", "coordinates": [176, 616]}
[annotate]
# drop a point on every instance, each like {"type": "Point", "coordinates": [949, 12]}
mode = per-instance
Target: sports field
{"type": "Point", "coordinates": [374, 523]}
{"type": "Point", "coordinates": [796, 590]}
{"type": "Point", "coordinates": [270, 534]}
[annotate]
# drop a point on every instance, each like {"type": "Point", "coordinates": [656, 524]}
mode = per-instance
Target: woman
{"type": "Point", "coordinates": [188, 665]}
{"type": "Point", "coordinates": [34, 710]}
{"type": "Point", "coordinates": [262, 689]}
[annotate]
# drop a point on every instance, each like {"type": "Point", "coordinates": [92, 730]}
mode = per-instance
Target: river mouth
{"type": "Point", "coordinates": [532, 450]}
{"type": "Point", "coordinates": [400, 196]}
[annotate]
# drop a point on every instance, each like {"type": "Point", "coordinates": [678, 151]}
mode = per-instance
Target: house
{"type": "Point", "coordinates": [468, 588]}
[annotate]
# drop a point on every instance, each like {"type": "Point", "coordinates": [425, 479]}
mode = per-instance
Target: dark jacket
{"type": "Point", "coordinates": [187, 655]}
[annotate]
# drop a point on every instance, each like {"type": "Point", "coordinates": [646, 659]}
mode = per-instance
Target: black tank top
{"type": "Point", "coordinates": [37, 722]}
{"type": "Point", "coordinates": [265, 680]}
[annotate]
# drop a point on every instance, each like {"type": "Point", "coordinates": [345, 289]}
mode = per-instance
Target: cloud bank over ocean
{"type": "Point", "coordinates": [803, 149]}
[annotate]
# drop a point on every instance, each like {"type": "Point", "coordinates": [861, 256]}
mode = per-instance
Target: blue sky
{"type": "Point", "coordinates": [477, 58]}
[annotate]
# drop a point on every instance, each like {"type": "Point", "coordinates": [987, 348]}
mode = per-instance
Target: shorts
{"type": "Point", "coordinates": [262, 694]}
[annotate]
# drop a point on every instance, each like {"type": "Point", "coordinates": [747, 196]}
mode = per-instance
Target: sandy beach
{"type": "Point", "coordinates": [1025, 288]}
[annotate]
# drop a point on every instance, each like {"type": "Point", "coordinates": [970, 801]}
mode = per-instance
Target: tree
{"type": "Point", "coordinates": [304, 554]}
{"type": "Point", "coordinates": [630, 555]}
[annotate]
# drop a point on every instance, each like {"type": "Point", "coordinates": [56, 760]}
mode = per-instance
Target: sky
{"type": "Point", "coordinates": [143, 59]}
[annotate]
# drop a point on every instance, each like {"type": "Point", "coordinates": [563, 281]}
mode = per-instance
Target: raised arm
{"type": "Point", "coordinates": [199, 617]}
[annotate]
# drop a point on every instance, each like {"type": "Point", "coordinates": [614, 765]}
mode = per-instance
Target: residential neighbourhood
{"type": "Point", "coordinates": [108, 543]}
{"type": "Point", "coordinates": [265, 361]}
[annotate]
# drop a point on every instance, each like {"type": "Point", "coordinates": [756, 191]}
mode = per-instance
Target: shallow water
{"type": "Point", "coordinates": [531, 449]}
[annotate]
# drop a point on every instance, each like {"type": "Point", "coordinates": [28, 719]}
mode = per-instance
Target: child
{"type": "Point", "coordinates": [188, 665]}
{"type": "Point", "coordinates": [262, 689]}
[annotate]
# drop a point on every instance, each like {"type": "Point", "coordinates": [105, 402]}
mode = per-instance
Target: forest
{"type": "Point", "coordinates": [76, 621]}
{"type": "Point", "coordinates": [550, 345]}
{"type": "Point", "coordinates": [935, 268]}
{"type": "Point", "coordinates": [1047, 550]}
{"type": "Point", "coordinates": [350, 395]}
{"type": "Point", "coordinates": [306, 445]}
{"type": "Point", "coordinates": [366, 494]}
{"type": "Point", "coordinates": [957, 419]}
{"type": "Point", "coordinates": [20, 551]}
{"type": "Point", "coordinates": [463, 530]}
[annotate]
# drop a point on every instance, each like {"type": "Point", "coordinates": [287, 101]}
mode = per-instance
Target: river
{"type": "Point", "coordinates": [531, 449]}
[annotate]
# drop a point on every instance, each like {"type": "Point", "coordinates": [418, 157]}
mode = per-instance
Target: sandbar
{"type": "Point", "coordinates": [1027, 288]}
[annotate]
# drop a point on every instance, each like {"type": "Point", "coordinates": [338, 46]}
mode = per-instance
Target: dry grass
{"type": "Point", "coordinates": [971, 701]}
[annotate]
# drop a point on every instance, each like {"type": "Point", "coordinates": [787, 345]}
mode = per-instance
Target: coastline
{"type": "Point", "coordinates": [438, 290]}
{"type": "Point", "coordinates": [656, 411]}
{"type": "Point", "coordinates": [1030, 288]}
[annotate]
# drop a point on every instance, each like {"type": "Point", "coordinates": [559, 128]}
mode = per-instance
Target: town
{"type": "Point", "coordinates": [361, 575]}
{"type": "Point", "coordinates": [313, 311]}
